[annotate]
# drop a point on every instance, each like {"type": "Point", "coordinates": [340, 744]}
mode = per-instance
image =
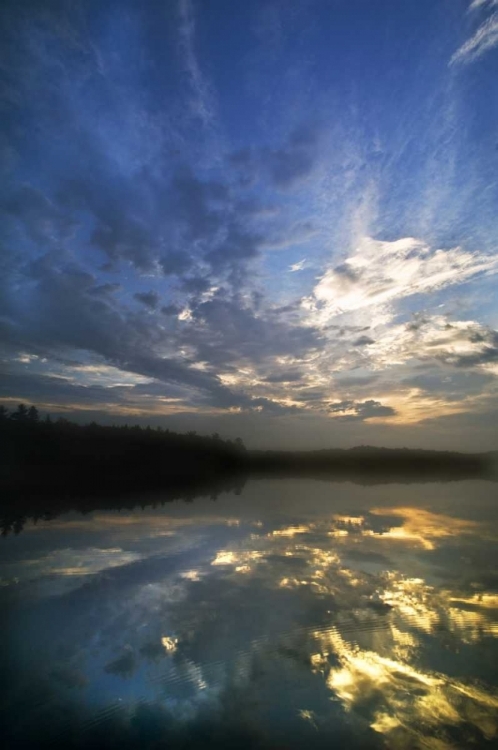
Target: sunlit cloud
{"type": "Point", "coordinates": [382, 272]}
{"type": "Point", "coordinates": [71, 562]}
{"type": "Point", "coordinates": [169, 643]}
{"type": "Point", "coordinates": [398, 712]}
{"type": "Point", "coordinates": [426, 528]}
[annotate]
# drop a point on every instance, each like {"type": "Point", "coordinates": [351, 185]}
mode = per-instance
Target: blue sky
{"type": "Point", "coordinates": [275, 219]}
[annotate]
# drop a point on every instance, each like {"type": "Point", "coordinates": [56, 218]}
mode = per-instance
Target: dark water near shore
{"type": "Point", "coordinates": [299, 613]}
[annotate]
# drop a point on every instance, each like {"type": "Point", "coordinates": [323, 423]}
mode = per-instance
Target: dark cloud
{"type": "Point", "coordinates": [194, 284]}
{"type": "Point", "coordinates": [153, 651]}
{"type": "Point", "coordinates": [374, 409]}
{"type": "Point", "coordinates": [484, 356]}
{"type": "Point", "coordinates": [287, 376]}
{"type": "Point", "coordinates": [356, 381]}
{"type": "Point", "coordinates": [361, 410]}
{"type": "Point", "coordinates": [363, 341]}
{"type": "Point", "coordinates": [486, 349]}
{"type": "Point", "coordinates": [347, 272]}
{"type": "Point", "coordinates": [418, 322]}
{"type": "Point", "coordinates": [453, 385]}
{"type": "Point", "coordinates": [149, 299]}
{"type": "Point", "coordinates": [62, 315]}
{"type": "Point", "coordinates": [124, 666]}
{"type": "Point", "coordinates": [171, 309]}
{"type": "Point", "coordinates": [287, 166]}
{"type": "Point", "coordinates": [42, 220]}
{"type": "Point", "coordinates": [312, 395]}
{"type": "Point", "coordinates": [197, 205]}
{"type": "Point", "coordinates": [342, 330]}
{"type": "Point", "coordinates": [39, 388]}
{"type": "Point", "coordinates": [290, 165]}
{"type": "Point", "coordinates": [341, 406]}
{"type": "Point", "coordinates": [103, 290]}
{"type": "Point", "coordinates": [228, 329]}
{"type": "Point", "coordinates": [175, 262]}
{"type": "Point", "coordinates": [238, 246]}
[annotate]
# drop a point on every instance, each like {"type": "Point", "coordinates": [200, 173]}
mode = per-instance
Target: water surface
{"type": "Point", "coordinates": [295, 614]}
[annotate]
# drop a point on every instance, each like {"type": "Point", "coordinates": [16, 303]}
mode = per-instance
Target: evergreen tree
{"type": "Point", "coordinates": [20, 414]}
{"type": "Point", "coordinates": [33, 415]}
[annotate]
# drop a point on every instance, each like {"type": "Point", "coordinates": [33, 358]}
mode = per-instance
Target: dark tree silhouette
{"type": "Point", "coordinates": [20, 414]}
{"type": "Point", "coordinates": [42, 459]}
{"type": "Point", "coordinates": [33, 415]}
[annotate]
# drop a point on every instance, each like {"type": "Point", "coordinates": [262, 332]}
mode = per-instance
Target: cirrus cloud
{"type": "Point", "coordinates": [380, 272]}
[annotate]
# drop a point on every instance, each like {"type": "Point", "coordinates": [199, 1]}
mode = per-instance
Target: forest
{"type": "Point", "coordinates": [49, 466]}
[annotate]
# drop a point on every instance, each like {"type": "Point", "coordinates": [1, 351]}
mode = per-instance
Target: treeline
{"type": "Point", "coordinates": [38, 451]}
{"type": "Point", "coordinates": [376, 464]}
{"type": "Point", "coordinates": [51, 466]}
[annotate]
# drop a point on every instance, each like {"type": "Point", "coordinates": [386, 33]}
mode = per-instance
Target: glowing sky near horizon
{"type": "Point", "coordinates": [275, 218]}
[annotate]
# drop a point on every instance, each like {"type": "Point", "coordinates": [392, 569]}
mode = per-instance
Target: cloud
{"type": "Point", "coordinates": [104, 290]}
{"type": "Point", "coordinates": [450, 384]}
{"type": "Point", "coordinates": [287, 167]}
{"type": "Point", "coordinates": [149, 299]}
{"type": "Point", "coordinates": [436, 338]}
{"type": "Point", "coordinates": [297, 266]}
{"type": "Point", "coordinates": [360, 411]}
{"type": "Point", "coordinates": [201, 102]}
{"type": "Point", "coordinates": [43, 221]}
{"type": "Point", "coordinates": [171, 309]}
{"type": "Point", "coordinates": [290, 166]}
{"type": "Point", "coordinates": [363, 341]}
{"type": "Point", "coordinates": [382, 272]}
{"type": "Point", "coordinates": [484, 40]}
{"type": "Point", "coordinates": [476, 4]}
{"type": "Point", "coordinates": [61, 315]}
{"type": "Point", "coordinates": [124, 666]}
{"type": "Point", "coordinates": [478, 351]}
{"type": "Point", "coordinates": [227, 329]}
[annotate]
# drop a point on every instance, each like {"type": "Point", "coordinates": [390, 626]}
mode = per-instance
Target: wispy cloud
{"type": "Point", "coordinates": [484, 39]}
{"type": "Point", "coordinates": [475, 4]}
{"type": "Point", "coordinates": [201, 100]}
{"type": "Point", "coordinates": [381, 272]}
{"type": "Point", "coordinates": [297, 266]}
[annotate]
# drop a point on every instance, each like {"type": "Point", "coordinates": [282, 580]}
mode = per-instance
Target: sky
{"type": "Point", "coordinates": [274, 219]}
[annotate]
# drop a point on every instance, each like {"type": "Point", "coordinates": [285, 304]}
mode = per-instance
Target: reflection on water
{"type": "Point", "coordinates": [298, 613]}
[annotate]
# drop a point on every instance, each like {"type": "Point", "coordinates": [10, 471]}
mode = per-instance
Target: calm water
{"type": "Point", "coordinates": [297, 614]}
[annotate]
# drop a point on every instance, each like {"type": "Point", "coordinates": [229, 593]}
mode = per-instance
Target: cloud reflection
{"type": "Point", "coordinates": [381, 618]}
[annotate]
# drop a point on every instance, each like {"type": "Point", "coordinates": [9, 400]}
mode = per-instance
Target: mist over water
{"type": "Point", "coordinates": [295, 613]}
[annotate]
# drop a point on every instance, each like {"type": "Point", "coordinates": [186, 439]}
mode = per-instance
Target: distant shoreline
{"type": "Point", "coordinates": [47, 468]}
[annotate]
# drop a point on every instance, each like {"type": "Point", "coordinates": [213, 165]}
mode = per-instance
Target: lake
{"type": "Point", "coordinates": [295, 613]}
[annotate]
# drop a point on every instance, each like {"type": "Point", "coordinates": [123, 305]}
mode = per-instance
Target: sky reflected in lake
{"type": "Point", "coordinates": [296, 613]}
